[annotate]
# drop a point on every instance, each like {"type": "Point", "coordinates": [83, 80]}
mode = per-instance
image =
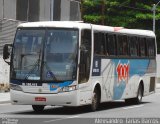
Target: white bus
{"type": "Point", "coordinates": [74, 64]}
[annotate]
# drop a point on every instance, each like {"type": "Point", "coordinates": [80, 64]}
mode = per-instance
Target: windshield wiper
{"type": "Point", "coordinates": [37, 63]}
{"type": "Point", "coordinates": [34, 67]}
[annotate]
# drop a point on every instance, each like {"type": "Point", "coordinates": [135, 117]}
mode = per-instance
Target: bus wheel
{"type": "Point", "coordinates": [38, 108]}
{"type": "Point", "coordinates": [95, 100]}
{"type": "Point", "coordinates": [138, 99]}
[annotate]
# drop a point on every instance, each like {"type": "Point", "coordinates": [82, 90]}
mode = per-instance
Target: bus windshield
{"type": "Point", "coordinates": [45, 54]}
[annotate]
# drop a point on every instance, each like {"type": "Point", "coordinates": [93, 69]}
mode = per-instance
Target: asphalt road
{"type": "Point", "coordinates": [116, 111]}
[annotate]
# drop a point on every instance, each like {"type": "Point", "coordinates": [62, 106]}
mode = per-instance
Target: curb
{"type": "Point", "coordinates": [158, 86]}
{"type": "Point", "coordinates": [5, 98]}
{"type": "Point", "coordinates": [3, 102]}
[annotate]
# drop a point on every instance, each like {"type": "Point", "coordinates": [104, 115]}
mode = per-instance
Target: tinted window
{"type": "Point", "coordinates": [27, 10]}
{"type": "Point", "coordinates": [133, 46]}
{"type": "Point", "coordinates": [122, 45]}
{"type": "Point", "coordinates": [85, 56]}
{"type": "Point", "coordinates": [21, 10]}
{"type": "Point", "coordinates": [57, 10]}
{"type": "Point", "coordinates": [111, 45]}
{"type": "Point", "coordinates": [142, 42]}
{"type": "Point", "coordinates": [151, 46]}
{"type": "Point", "coordinates": [99, 43]}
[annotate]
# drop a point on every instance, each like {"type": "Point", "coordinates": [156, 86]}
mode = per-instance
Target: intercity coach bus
{"type": "Point", "coordinates": [74, 64]}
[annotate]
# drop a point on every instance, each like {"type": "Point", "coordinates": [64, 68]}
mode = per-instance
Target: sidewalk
{"type": "Point", "coordinates": [157, 85]}
{"type": "Point", "coordinates": [4, 97]}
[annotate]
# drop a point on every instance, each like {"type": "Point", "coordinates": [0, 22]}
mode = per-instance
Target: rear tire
{"type": "Point", "coordinates": [38, 108]}
{"type": "Point", "coordinates": [95, 100]}
{"type": "Point", "coordinates": [138, 98]}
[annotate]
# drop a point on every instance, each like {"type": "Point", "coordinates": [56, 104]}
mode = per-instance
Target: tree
{"type": "Point", "coordinates": [128, 14]}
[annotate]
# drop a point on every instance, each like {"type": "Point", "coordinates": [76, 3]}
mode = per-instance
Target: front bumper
{"type": "Point", "coordinates": [59, 99]}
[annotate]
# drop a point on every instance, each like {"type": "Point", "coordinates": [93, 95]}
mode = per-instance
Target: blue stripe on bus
{"type": "Point", "coordinates": [18, 82]}
{"type": "Point", "coordinates": [54, 86]}
{"type": "Point", "coordinates": [119, 86]}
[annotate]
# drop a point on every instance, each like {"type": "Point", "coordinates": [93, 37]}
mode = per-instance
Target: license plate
{"type": "Point", "coordinates": [40, 99]}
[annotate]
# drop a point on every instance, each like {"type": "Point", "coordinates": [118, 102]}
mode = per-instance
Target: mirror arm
{"type": "Point", "coordinates": [83, 48]}
{"type": "Point", "coordinates": [7, 62]}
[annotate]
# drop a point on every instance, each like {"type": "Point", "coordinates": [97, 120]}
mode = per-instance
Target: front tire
{"type": "Point", "coordinates": [95, 100]}
{"type": "Point", "coordinates": [38, 108]}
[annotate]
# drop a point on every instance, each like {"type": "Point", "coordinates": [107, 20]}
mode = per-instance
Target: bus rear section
{"type": "Point", "coordinates": [124, 63]}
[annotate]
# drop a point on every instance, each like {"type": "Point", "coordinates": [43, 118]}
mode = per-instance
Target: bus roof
{"type": "Point", "coordinates": [58, 24]}
{"type": "Point", "coordinates": [76, 24]}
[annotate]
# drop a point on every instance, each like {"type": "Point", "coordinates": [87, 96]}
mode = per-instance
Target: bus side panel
{"type": "Point", "coordinates": [107, 72]}
{"type": "Point", "coordinates": [85, 93]}
{"type": "Point", "coordinates": [121, 77]}
{"type": "Point", "coordinates": [117, 83]}
{"type": "Point", "coordinates": [150, 78]}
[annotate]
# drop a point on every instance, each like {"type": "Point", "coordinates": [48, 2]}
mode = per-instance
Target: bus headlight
{"type": "Point", "coordinates": [15, 87]}
{"type": "Point", "coordinates": [68, 88]}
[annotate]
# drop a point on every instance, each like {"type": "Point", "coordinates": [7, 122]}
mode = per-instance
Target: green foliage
{"type": "Point", "coordinates": [130, 13]}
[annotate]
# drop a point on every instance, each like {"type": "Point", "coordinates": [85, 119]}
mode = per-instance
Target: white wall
{"type": "Point", "coordinates": [4, 72]}
{"type": "Point", "coordinates": [10, 9]}
{"type": "Point", "coordinates": [65, 12]}
{"type": "Point", "coordinates": [158, 68]}
{"type": "Point", "coordinates": [1, 9]}
{"type": "Point", "coordinates": [45, 10]}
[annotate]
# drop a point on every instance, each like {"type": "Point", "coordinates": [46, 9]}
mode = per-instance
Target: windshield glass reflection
{"type": "Point", "coordinates": [46, 55]}
{"type": "Point", "coordinates": [60, 55]}
{"type": "Point", "coordinates": [27, 53]}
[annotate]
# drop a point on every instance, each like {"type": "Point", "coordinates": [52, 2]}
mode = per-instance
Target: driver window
{"type": "Point", "coordinates": [85, 56]}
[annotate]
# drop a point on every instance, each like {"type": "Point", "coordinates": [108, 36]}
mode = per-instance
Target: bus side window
{"type": "Point", "coordinates": [133, 46]}
{"type": "Point", "coordinates": [99, 43]}
{"type": "Point", "coordinates": [142, 42]}
{"type": "Point", "coordinates": [85, 56]}
{"type": "Point", "coordinates": [106, 45]}
{"type": "Point", "coordinates": [122, 45]}
{"type": "Point", "coordinates": [151, 47]}
{"type": "Point", "coordinates": [111, 44]}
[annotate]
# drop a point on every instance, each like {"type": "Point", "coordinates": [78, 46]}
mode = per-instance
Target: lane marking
{"type": "Point", "coordinates": [132, 107]}
{"type": "Point", "coordinates": [49, 121]}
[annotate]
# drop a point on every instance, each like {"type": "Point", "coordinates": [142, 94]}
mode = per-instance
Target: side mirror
{"type": "Point", "coordinates": [6, 51]}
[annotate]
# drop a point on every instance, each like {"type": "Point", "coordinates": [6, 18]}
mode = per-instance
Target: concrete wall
{"type": "Point", "coordinates": [1, 9]}
{"type": "Point", "coordinates": [10, 9]}
{"type": "Point", "coordinates": [4, 72]}
{"type": "Point", "coordinates": [65, 14]}
{"type": "Point", "coordinates": [45, 10]}
{"type": "Point", "coordinates": [158, 68]}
